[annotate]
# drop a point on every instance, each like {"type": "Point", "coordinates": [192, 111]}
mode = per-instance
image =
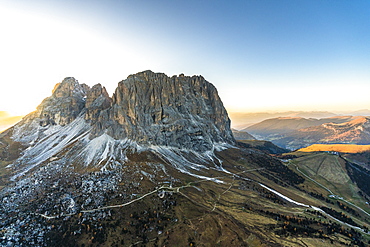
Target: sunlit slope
{"type": "Point", "coordinates": [329, 169]}
{"type": "Point", "coordinates": [342, 148]}
{"type": "Point", "coordinates": [295, 133]}
{"type": "Point", "coordinates": [331, 175]}
{"type": "Point", "coordinates": [283, 125]}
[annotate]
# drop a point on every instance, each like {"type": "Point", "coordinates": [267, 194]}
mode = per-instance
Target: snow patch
{"type": "Point", "coordinates": [98, 147]}
{"type": "Point", "coordinates": [106, 149]}
{"type": "Point", "coordinates": [180, 159]}
{"type": "Point", "coordinates": [58, 138]}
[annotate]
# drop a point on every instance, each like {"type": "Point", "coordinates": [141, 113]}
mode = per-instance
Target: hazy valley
{"type": "Point", "coordinates": [6, 120]}
{"type": "Point", "coordinates": [295, 133]}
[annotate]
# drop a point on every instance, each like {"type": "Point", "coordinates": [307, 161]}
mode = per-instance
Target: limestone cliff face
{"type": "Point", "coordinates": [64, 105]}
{"type": "Point", "coordinates": [97, 100]}
{"type": "Point", "coordinates": [179, 111]}
{"type": "Point", "coordinates": [148, 108]}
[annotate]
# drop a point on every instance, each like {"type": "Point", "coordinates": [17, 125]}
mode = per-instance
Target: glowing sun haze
{"type": "Point", "coordinates": [261, 55]}
{"type": "Point", "coordinates": [39, 51]}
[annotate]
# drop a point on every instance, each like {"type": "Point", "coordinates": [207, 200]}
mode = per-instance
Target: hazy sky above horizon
{"type": "Point", "coordinates": [262, 55]}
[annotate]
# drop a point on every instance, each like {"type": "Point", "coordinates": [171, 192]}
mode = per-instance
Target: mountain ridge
{"type": "Point", "coordinates": [242, 120]}
{"type": "Point", "coordinates": [122, 111]}
{"type": "Point", "coordinates": [294, 133]}
{"type": "Point", "coordinates": [181, 114]}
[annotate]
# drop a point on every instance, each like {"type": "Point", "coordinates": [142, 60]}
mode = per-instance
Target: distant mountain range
{"type": "Point", "coordinates": [241, 120]}
{"type": "Point", "coordinates": [246, 140]}
{"type": "Point", "coordinates": [264, 146]}
{"type": "Point", "coordinates": [294, 133]}
{"type": "Point", "coordinates": [242, 135]}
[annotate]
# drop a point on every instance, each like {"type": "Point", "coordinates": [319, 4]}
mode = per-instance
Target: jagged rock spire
{"type": "Point", "coordinates": [97, 100]}
{"type": "Point", "coordinates": [64, 105]}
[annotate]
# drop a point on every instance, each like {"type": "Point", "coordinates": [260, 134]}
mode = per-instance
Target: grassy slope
{"type": "Point", "coordinates": [330, 171]}
{"type": "Point", "coordinates": [342, 148]}
{"type": "Point", "coordinates": [265, 146]}
{"type": "Point", "coordinates": [208, 214]}
{"type": "Point", "coordinates": [9, 152]}
{"type": "Point", "coordinates": [237, 212]}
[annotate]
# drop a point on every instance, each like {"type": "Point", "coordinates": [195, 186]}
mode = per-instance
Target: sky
{"type": "Point", "coordinates": [262, 55]}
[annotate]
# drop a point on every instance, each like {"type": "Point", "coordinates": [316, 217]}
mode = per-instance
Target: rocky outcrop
{"type": "Point", "coordinates": [181, 111]}
{"type": "Point", "coordinates": [148, 108]}
{"type": "Point", "coordinates": [64, 105]}
{"type": "Point", "coordinates": [97, 100]}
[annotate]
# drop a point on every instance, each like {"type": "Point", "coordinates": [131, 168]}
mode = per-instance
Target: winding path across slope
{"type": "Point", "coordinates": [177, 190]}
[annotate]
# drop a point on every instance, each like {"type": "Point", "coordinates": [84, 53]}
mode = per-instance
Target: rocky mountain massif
{"type": "Point", "coordinates": [147, 108]}
{"type": "Point", "coordinates": [294, 133]}
{"type": "Point", "coordinates": [156, 164]}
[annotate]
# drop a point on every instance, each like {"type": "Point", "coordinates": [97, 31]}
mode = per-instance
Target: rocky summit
{"type": "Point", "coordinates": [154, 109]}
{"type": "Point", "coordinates": [147, 108]}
